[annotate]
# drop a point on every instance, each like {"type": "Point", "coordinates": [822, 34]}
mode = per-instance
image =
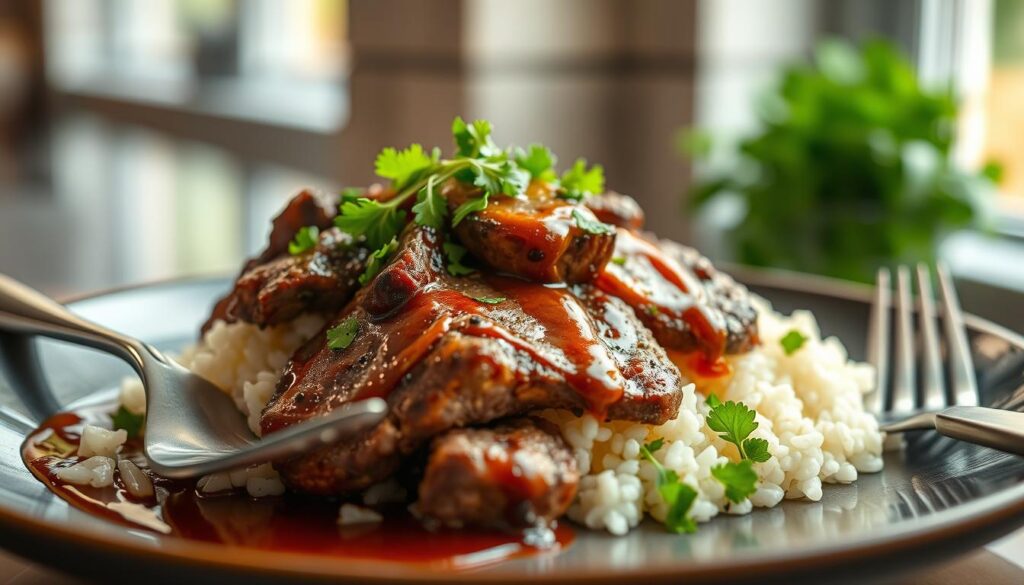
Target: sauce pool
{"type": "Point", "coordinates": [289, 523]}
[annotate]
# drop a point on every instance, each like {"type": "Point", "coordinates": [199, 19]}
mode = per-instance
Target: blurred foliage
{"type": "Point", "coordinates": [850, 170]}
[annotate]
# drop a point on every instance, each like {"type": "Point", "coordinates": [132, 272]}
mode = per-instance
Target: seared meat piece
{"type": "Point", "coordinates": [516, 474]}
{"type": "Point", "coordinates": [535, 236]}
{"type": "Point", "coordinates": [319, 280]}
{"type": "Point", "coordinates": [680, 296]}
{"type": "Point", "coordinates": [449, 352]}
{"type": "Point", "coordinates": [616, 209]}
{"type": "Point", "coordinates": [275, 286]}
{"type": "Point", "coordinates": [305, 209]}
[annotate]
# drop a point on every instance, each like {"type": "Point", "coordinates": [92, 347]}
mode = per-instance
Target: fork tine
{"type": "Point", "coordinates": [903, 382]}
{"type": "Point", "coordinates": [965, 390]}
{"type": "Point", "coordinates": [878, 342]}
{"type": "Point", "coordinates": [933, 385]}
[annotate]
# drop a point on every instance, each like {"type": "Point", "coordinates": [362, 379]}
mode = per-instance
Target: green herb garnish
{"type": "Point", "coordinates": [305, 239]}
{"type": "Point", "coordinates": [739, 479]}
{"type": "Point", "coordinates": [455, 253]}
{"type": "Point", "coordinates": [340, 336]}
{"type": "Point", "coordinates": [579, 181]}
{"type": "Point", "coordinates": [539, 161]}
{"type": "Point", "coordinates": [591, 226]}
{"type": "Point", "coordinates": [489, 300]}
{"type": "Point", "coordinates": [735, 422]}
{"type": "Point", "coordinates": [129, 421]}
{"type": "Point", "coordinates": [792, 341]}
{"type": "Point", "coordinates": [678, 495]}
{"type": "Point", "coordinates": [620, 260]}
{"type": "Point", "coordinates": [376, 261]}
{"type": "Point", "coordinates": [477, 161]}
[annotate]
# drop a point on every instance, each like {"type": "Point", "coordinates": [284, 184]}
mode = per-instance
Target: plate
{"type": "Point", "coordinates": [936, 497]}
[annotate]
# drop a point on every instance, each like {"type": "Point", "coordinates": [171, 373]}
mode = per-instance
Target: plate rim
{"type": "Point", "coordinates": [998, 512]}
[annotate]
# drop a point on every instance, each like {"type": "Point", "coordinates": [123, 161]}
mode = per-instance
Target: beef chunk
{"type": "Point", "coordinates": [516, 474]}
{"type": "Point", "coordinates": [276, 286]}
{"type": "Point", "coordinates": [308, 208]}
{"type": "Point", "coordinates": [319, 280]}
{"type": "Point", "coordinates": [449, 352]}
{"type": "Point", "coordinates": [616, 209]}
{"type": "Point", "coordinates": [535, 236]}
{"type": "Point", "coordinates": [678, 294]}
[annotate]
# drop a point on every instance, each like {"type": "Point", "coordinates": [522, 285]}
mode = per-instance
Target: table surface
{"type": "Point", "coordinates": [1001, 563]}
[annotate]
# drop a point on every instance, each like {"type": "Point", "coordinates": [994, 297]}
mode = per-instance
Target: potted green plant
{"type": "Point", "coordinates": [850, 169]}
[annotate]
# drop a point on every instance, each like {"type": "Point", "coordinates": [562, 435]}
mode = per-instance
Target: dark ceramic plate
{"type": "Point", "coordinates": [934, 499]}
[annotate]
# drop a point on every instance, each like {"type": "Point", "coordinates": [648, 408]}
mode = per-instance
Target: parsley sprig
{"type": "Point", "coordinates": [414, 172]}
{"type": "Point", "coordinates": [677, 495]}
{"type": "Point", "coordinates": [735, 422]}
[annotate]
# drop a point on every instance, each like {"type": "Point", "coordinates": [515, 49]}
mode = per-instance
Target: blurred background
{"type": "Point", "coordinates": [148, 139]}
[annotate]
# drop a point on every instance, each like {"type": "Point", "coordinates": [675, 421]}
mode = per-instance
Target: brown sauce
{"type": "Point", "coordinates": [669, 290]}
{"type": "Point", "coordinates": [290, 523]}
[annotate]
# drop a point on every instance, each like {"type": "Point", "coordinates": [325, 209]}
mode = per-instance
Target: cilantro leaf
{"type": "Point", "coordinates": [351, 193]}
{"type": "Point", "coordinates": [376, 261]}
{"type": "Point", "coordinates": [132, 423]}
{"type": "Point", "coordinates": [489, 300]}
{"type": "Point", "coordinates": [402, 166]}
{"type": "Point", "coordinates": [792, 341]}
{"type": "Point", "coordinates": [739, 479]}
{"type": "Point", "coordinates": [578, 181]}
{"type": "Point", "coordinates": [712, 401]}
{"type": "Point", "coordinates": [539, 161]}
{"type": "Point", "coordinates": [473, 140]}
{"type": "Point", "coordinates": [469, 206]}
{"type": "Point", "coordinates": [341, 336]}
{"type": "Point", "coordinates": [514, 180]}
{"type": "Point", "coordinates": [678, 495]}
{"type": "Point", "coordinates": [378, 222]}
{"type": "Point", "coordinates": [455, 253]}
{"type": "Point", "coordinates": [431, 208]}
{"type": "Point", "coordinates": [305, 239]}
{"type": "Point", "coordinates": [620, 260]}
{"type": "Point", "coordinates": [591, 226]}
{"type": "Point", "coordinates": [756, 450]}
{"type": "Point", "coordinates": [734, 422]}
{"type": "Point", "coordinates": [655, 445]}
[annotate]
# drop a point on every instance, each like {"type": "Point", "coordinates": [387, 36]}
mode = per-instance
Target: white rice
{"type": "Point", "coordinates": [808, 407]}
{"type": "Point", "coordinates": [96, 471]}
{"type": "Point", "coordinates": [809, 410]}
{"type": "Point", "coordinates": [99, 441]}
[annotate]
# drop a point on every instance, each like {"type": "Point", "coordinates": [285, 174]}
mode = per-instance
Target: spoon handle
{"type": "Point", "coordinates": [25, 310]}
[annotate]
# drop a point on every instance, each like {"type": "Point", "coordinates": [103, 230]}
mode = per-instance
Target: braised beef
{"type": "Point", "coordinates": [518, 473]}
{"type": "Point", "coordinates": [536, 235]}
{"type": "Point", "coordinates": [616, 209]}
{"type": "Point", "coordinates": [449, 352]}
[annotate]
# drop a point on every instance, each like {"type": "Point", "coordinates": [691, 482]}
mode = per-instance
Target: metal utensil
{"type": "Point", "coordinates": [192, 428]}
{"type": "Point", "coordinates": [904, 404]}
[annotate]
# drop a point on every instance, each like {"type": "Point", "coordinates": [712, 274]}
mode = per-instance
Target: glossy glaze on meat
{"type": "Point", "coordinates": [444, 359]}
{"type": "Point", "coordinates": [556, 317]}
{"type": "Point", "coordinates": [535, 236]}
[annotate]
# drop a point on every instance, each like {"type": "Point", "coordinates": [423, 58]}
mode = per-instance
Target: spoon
{"type": "Point", "coordinates": [192, 427]}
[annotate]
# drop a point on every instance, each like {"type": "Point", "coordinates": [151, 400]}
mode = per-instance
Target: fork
{"type": "Point", "coordinates": [905, 405]}
{"type": "Point", "coordinates": [192, 428]}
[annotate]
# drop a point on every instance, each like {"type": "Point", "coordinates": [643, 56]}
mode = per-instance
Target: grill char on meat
{"type": "Point", "coordinates": [517, 473]}
{"type": "Point", "coordinates": [444, 360]}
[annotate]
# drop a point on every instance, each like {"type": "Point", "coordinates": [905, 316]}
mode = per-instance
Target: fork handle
{"type": "Point", "coordinates": [991, 427]}
{"type": "Point", "coordinates": [25, 310]}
